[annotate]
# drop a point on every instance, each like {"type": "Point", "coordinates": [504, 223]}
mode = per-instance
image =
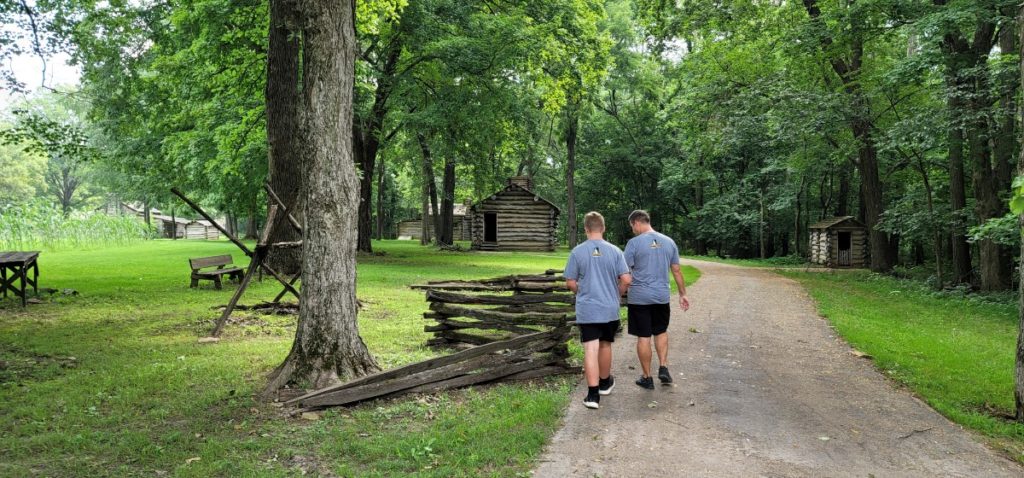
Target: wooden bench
{"type": "Point", "coordinates": [223, 267]}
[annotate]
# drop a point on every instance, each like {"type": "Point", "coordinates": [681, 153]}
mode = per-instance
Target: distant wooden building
{"type": "Point", "coordinates": [462, 229]}
{"type": "Point", "coordinates": [170, 227]}
{"type": "Point", "coordinates": [515, 219]}
{"type": "Point", "coordinates": [839, 242]}
{"type": "Point", "coordinates": [202, 229]}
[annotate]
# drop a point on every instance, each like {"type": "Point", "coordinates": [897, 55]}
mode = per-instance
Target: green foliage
{"type": "Point", "coordinates": [39, 225]}
{"type": "Point", "coordinates": [1003, 230]}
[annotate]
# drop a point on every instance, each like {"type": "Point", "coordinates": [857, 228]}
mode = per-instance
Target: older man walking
{"type": "Point", "coordinates": [650, 256]}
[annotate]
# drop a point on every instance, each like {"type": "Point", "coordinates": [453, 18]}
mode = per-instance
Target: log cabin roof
{"type": "Point", "coordinates": [845, 222]}
{"type": "Point", "coordinates": [161, 217]}
{"type": "Point", "coordinates": [513, 186]}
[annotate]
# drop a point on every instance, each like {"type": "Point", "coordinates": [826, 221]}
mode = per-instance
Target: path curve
{"type": "Point", "coordinates": [764, 389]}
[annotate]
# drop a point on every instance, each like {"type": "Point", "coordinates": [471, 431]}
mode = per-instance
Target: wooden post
{"type": "Point", "coordinates": [254, 264]}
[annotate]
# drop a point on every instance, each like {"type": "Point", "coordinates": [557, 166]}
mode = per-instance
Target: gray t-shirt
{"type": "Point", "coordinates": [596, 266]}
{"type": "Point", "coordinates": [649, 256]}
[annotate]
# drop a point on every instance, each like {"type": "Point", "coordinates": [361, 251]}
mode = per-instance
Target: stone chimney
{"type": "Point", "coordinates": [524, 182]}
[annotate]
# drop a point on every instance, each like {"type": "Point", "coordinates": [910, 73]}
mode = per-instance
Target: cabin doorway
{"type": "Point", "coordinates": [490, 227]}
{"type": "Point", "coordinates": [844, 249]}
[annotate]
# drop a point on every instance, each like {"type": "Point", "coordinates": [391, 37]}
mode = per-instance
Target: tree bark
{"type": "Point", "coordinates": [843, 198]}
{"type": "Point", "coordinates": [447, 219]}
{"type": "Point", "coordinates": [431, 183]}
{"type": "Point", "coordinates": [987, 204]}
{"type": "Point", "coordinates": [1018, 392]}
{"type": "Point", "coordinates": [282, 99]}
{"type": "Point", "coordinates": [380, 201]}
{"type": "Point", "coordinates": [961, 252]}
{"type": "Point", "coordinates": [367, 138]}
{"type": "Point", "coordinates": [327, 347]}
{"type": "Point", "coordinates": [572, 225]}
{"type": "Point", "coordinates": [700, 245]}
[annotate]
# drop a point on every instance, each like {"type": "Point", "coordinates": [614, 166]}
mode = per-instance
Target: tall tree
{"type": "Point", "coordinates": [327, 345]}
{"type": "Point", "coordinates": [847, 61]}
{"type": "Point", "coordinates": [282, 100]}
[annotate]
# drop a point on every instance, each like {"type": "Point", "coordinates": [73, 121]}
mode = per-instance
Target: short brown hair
{"type": "Point", "coordinates": [593, 221]}
{"type": "Point", "coordinates": [639, 216]}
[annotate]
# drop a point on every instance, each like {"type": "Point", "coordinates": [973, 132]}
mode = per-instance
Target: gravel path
{"type": "Point", "coordinates": [764, 388]}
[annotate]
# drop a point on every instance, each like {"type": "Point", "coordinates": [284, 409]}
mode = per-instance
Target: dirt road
{"type": "Point", "coordinates": [764, 388]}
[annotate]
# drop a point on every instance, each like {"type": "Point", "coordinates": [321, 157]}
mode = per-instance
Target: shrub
{"type": "Point", "coordinates": [38, 225]}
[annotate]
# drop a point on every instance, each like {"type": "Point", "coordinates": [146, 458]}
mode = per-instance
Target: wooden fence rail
{"type": "Point", "coordinates": [503, 337]}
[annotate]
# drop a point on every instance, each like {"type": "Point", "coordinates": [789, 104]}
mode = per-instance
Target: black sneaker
{"type": "Point", "coordinates": [593, 400]}
{"type": "Point", "coordinates": [664, 376]}
{"type": "Point", "coordinates": [646, 382]}
{"type": "Point", "coordinates": [605, 386]}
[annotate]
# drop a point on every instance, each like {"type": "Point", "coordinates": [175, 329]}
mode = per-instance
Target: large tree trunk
{"type": "Point", "coordinates": [327, 347]}
{"type": "Point", "coordinates": [251, 227]}
{"type": "Point", "coordinates": [987, 204]}
{"type": "Point", "coordinates": [368, 135]}
{"type": "Point", "coordinates": [447, 219]}
{"type": "Point", "coordinates": [961, 251]}
{"type": "Point", "coordinates": [883, 253]}
{"type": "Point", "coordinates": [843, 197]}
{"type": "Point", "coordinates": [1004, 141]}
{"type": "Point", "coordinates": [380, 202]}
{"type": "Point", "coordinates": [700, 246]}
{"type": "Point", "coordinates": [431, 184]}
{"type": "Point", "coordinates": [572, 225]}
{"type": "Point", "coordinates": [1018, 392]}
{"type": "Point", "coordinates": [282, 98]}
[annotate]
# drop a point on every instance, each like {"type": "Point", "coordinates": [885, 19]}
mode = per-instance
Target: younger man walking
{"type": "Point", "coordinates": [598, 274]}
{"type": "Point", "coordinates": [650, 256]}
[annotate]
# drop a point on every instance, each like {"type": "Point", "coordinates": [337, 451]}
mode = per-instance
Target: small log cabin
{"type": "Point", "coordinates": [839, 242]}
{"type": "Point", "coordinates": [515, 219]}
{"type": "Point", "coordinates": [413, 228]}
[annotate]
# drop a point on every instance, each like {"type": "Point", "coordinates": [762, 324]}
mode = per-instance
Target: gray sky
{"type": "Point", "coordinates": [29, 69]}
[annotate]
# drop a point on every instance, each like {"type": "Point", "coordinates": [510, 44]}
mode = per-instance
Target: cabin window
{"type": "Point", "coordinates": [490, 227]}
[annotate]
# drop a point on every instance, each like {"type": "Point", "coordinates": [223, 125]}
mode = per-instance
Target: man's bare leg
{"type": "Point", "coordinates": [643, 352]}
{"type": "Point", "coordinates": [661, 345]}
{"type": "Point", "coordinates": [604, 359]}
{"type": "Point", "coordinates": [591, 367]}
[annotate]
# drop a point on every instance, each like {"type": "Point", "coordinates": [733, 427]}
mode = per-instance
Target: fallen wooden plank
{"type": "Point", "coordinates": [402, 383]}
{"type": "Point", "coordinates": [474, 339]}
{"type": "Point", "coordinates": [532, 318]}
{"type": "Point", "coordinates": [553, 369]}
{"type": "Point", "coordinates": [449, 324]}
{"type": "Point", "coordinates": [437, 362]}
{"type": "Point", "coordinates": [454, 298]}
{"type": "Point", "coordinates": [483, 377]}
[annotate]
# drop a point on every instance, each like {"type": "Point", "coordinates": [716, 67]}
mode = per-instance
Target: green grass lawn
{"type": "Point", "coordinates": [955, 352]}
{"type": "Point", "coordinates": [112, 382]}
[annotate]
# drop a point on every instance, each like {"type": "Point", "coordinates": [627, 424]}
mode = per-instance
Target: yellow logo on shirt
{"type": "Point", "coordinates": [655, 245]}
{"type": "Point", "coordinates": [596, 253]}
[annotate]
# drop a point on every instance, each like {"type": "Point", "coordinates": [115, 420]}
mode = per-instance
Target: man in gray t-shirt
{"type": "Point", "coordinates": [651, 255]}
{"type": "Point", "coordinates": [598, 274]}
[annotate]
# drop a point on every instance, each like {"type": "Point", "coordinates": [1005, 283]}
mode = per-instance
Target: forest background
{"type": "Point", "coordinates": [737, 124]}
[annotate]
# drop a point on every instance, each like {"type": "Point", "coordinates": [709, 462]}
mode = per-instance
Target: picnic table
{"type": "Point", "coordinates": [18, 263]}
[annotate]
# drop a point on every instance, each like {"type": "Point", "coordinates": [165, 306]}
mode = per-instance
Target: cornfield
{"type": "Point", "coordinates": [41, 226]}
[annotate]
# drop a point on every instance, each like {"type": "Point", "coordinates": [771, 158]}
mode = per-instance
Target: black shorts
{"type": "Point", "coordinates": [604, 332]}
{"type": "Point", "coordinates": [648, 319]}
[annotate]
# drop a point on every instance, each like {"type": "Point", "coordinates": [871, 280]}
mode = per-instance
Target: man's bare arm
{"type": "Point", "coordinates": [572, 285]}
{"type": "Point", "coordinates": [684, 302]}
{"type": "Point", "coordinates": [624, 281]}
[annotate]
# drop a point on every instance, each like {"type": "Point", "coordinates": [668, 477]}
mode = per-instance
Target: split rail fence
{"type": "Point", "coordinates": [508, 328]}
